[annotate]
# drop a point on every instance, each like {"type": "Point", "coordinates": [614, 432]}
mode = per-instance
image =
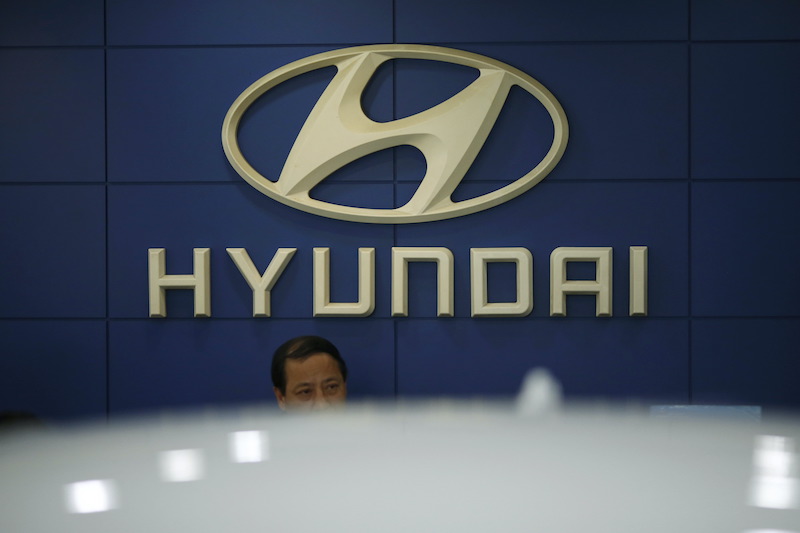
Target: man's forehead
{"type": "Point", "coordinates": [318, 366]}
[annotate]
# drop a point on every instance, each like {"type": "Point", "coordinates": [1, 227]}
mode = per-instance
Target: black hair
{"type": "Point", "coordinates": [301, 348]}
{"type": "Point", "coordinates": [12, 420]}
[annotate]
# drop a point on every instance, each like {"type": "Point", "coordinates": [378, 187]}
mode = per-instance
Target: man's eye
{"type": "Point", "coordinates": [304, 392]}
{"type": "Point", "coordinates": [333, 387]}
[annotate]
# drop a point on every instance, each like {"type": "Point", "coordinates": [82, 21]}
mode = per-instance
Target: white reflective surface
{"type": "Point", "coordinates": [92, 496]}
{"type": "Point", "coordinates": [775, 484]}
{"type": "Point", "coordinates": [249, 446]}
{"type": "Point", "coordinates": [181, 465]}
{"type": "Point", "coordinates": [441, 466]}
{"type": "Point", "coordinates": [769, 531]}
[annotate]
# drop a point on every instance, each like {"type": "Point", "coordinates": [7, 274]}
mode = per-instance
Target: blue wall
{"type": "Point", "coordinates": [684, 137]}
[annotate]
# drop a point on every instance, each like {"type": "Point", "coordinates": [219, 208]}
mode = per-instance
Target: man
{"type": "Point", "coordinates": [309, 374]}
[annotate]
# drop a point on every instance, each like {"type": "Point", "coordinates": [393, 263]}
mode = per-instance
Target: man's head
{"type": "Point", "coordinates": [308, 373]}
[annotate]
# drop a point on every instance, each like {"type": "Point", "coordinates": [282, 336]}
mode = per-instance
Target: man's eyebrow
{"type": "Point", "coordinates": [302, 384]}
{"type": "Point", "coordinates": [332, 378]}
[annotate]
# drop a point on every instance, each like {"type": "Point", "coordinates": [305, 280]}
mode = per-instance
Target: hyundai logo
{"type": "Point", "coordinates": [449, 135]}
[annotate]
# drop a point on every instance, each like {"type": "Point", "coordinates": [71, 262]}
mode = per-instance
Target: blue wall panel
{"type": "Point", "coordinates": [511, 20]}
{"type": "Point", "coordinates": [746, 361]}
{"type": "Point", "coordinates": [53, 368]}
{"type": "Point", "coordinates": [744, 249]}
{"type": "Point", "coordinates": [490, 357]}
{"type": "Point", "coordinates": [166, 109]}
{"type": "Point", "coordinates": [53, 115]}
{"type": "Point", "coordinates": [53, 241]}
{"type": "Point", "coordinates": [218, 216]}
{"type": "Point", "coordinates": [180, 22]}
{"type": "Point", "coordinates": [51, 23]}
{"type": "Point", "coordinates": [110, 135]}
{"type": "Point", "coordinates": [589, 214]}
{"type": "Point", "coordinates": [179, 364]}
{"type": "Point", "coordinates": [745, 110]}
{"type": "Point", "coordinates": [627, 106]}
{"type": "Point", "coordinates": [745, 19]}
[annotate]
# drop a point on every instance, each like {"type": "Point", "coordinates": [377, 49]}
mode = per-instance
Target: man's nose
{"type": "Point", "coordinates": [320, 402]}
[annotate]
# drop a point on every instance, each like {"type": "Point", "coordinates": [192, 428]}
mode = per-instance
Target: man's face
{"type": "Point", "coordinates": [312, 384]}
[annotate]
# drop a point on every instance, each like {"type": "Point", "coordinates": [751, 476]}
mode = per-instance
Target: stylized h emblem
{"type": "Point", "coordinates": [449, 135]}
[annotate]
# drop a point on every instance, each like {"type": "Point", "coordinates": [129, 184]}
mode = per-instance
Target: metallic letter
{"type": "Point", "coordinates": [479, 257]}
{"type": "Point", "coordinates": [444, 266]}
{"type": "Point", "coordinates": [322, 285]}
{"type": "Point", "coordinates": [638, 281]}
{"type": "Point", "coordinates": [261, 285]}
{"type": "Point", "coordinates": [159, 282]}
{"type": "Point", "coordinates": [560, 287]}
